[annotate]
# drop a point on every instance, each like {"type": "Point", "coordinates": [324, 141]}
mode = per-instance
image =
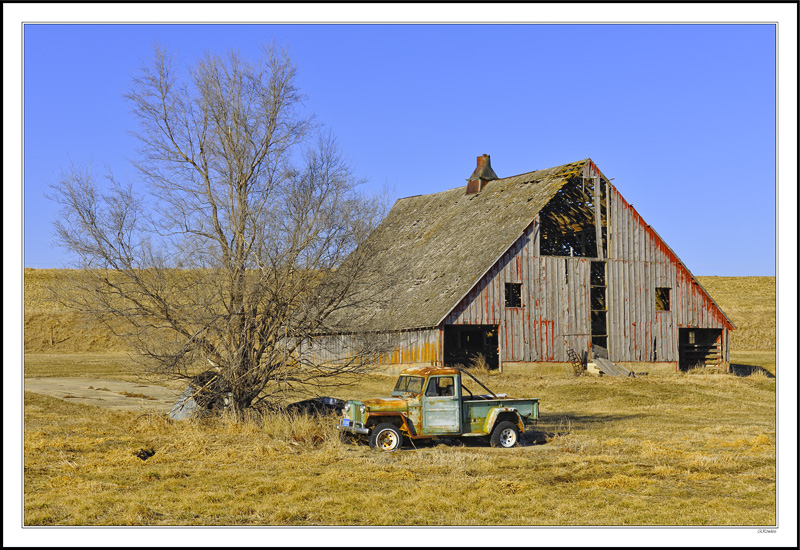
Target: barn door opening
{"type": "Point", "coordinates": [699, 347]}
{"type": "Point", "coordinates": [463, 343]}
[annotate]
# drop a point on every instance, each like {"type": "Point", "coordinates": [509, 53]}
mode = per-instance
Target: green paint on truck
{"type": "Point", "coordinates": [432, 402]}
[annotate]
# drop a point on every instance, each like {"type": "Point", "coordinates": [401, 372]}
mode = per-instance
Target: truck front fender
{"type": "Point", "coordinates": [401, 420]}
{"type": "Point", "coordinates": [506, 413]}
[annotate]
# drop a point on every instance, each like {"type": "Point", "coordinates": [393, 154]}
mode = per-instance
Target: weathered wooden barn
{"type": "Point", "coordinates": [527, 268]}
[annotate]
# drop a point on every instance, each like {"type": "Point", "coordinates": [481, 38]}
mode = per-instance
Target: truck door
{"type": "Point", "coordinates": [441, 405]}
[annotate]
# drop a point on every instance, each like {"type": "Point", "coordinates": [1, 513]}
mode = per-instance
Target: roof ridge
{"type": "Point", "coordinates": [577, 162]}
{"type": "Point", "coordinates": [582, 161]}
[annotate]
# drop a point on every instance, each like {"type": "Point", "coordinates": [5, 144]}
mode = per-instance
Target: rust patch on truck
{"type": "Point", "coordinates": [430, 371]}
{"type": "Point", "coordinates": [385, 403]}
{"type": "Point", "coordinates": [428, 411]}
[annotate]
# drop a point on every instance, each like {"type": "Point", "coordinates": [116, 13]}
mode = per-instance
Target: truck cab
{"type": "Point", "coordinates": [430, 402]}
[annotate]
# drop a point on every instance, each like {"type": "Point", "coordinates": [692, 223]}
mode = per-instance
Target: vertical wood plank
{"type": "Point", "coordinates": [598, 229]}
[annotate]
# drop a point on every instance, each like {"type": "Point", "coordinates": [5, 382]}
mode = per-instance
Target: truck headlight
{"type": "Point", "coordinates": [346, 407]}
{"type": "Point", "coordinates": [362, 408]}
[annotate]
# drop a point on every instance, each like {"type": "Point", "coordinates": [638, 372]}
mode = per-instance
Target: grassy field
{"type": "Point", "coordinates": [750, 302]}
{"type": "Point", "coordinates": [682, 449]}
{"type": "Point", "coordinates": [50, 328]}
{"type": "Point", "coordinates": [691, 449]}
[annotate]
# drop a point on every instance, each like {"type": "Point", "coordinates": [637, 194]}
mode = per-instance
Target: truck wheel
{"type": "Point", "coordinates": [505, 434]}
{"type": "Point", "coordinates": [385, 437]}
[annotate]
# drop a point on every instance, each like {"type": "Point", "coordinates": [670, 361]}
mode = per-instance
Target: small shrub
{"type": "Point", "coordinates": [697, 368]}
{"type": "Point", "coordinates": [478, 365]}
{"type": "Point", "coordinates": [299, 429]}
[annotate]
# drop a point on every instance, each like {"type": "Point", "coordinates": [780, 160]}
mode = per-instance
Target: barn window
{"type": "Point", "coordinates": [513, 294]}
{"type": "Point", "coordinates": [662, 299]}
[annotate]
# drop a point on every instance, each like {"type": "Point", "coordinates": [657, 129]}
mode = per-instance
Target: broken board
{"type": "Point", "coordinates": [612, 369]}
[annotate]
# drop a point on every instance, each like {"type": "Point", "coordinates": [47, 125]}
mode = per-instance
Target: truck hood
{"type": "Point", "coordinates": [386, 403]}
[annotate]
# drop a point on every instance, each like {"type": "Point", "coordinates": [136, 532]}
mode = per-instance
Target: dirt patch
{"type": "Point", "coordinates": [106, 393]}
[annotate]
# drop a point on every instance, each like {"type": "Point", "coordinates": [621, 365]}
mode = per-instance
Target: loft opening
{"type": "Point", "coordinates": [575, 220]}
{"type": "Point", "coordinates": [662, 299]}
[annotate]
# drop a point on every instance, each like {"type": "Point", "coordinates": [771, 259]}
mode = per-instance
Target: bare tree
{"type": "Point", "coordinates": [233, 253]}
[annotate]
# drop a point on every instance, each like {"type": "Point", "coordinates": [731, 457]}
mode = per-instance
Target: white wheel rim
{"type": "Point", "coordinates": [387, 440]}
{"type": "Point", "coordinates": [508, 437]}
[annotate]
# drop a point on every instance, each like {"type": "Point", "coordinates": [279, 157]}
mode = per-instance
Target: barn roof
{"type": "Point", "coordinates": [438, 246]}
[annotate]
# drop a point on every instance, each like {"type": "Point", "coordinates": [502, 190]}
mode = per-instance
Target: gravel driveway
{"type": "Point", "coordinates": [106, 393]}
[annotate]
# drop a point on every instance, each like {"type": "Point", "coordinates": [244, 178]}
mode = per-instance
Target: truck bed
{"type": "Point", "coordinates": [475, 410]}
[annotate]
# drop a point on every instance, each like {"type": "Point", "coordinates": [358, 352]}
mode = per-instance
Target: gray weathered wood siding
{"type": "Point", "coordinates": [555, 303]}
{"type": "Point", "coordinates": [399, 347]}
{"type": "Point", "coordinates": [555, 314]}
{"type": "Point", "coordinates": [640, 261]}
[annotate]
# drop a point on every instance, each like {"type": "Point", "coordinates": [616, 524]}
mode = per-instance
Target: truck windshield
{"type": "Point", "coordinates": [412, 384]}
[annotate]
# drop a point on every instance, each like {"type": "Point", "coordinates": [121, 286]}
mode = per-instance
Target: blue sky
{"type": "Point", "coordinates": [681, 116]}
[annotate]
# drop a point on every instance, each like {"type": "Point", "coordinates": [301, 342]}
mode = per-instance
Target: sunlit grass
{"type": "Point", "coordinates": [670, 450]}
{"type": "Point", "coordinates": [750, 302]}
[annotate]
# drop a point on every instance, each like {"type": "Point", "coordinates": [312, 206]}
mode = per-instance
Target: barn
{"type": "Point", "coordinates": [529, 269]}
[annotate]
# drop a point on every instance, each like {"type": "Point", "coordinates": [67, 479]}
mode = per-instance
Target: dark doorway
{"type": "Point", "coordinates": [699, 347]}
{"type": "Point", "coordinates": [463, 343]}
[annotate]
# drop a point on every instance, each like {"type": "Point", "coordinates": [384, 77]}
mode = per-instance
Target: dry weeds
{"type": "Point", "coordinates": [661, 450]}
{"type": "Point", "coordinates": [693, 449]}
{"type": "Point", "coordinates": [748, 301]}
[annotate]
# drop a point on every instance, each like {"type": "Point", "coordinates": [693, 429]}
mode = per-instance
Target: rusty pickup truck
{"type": "Point", "coordinates": [430, 402]}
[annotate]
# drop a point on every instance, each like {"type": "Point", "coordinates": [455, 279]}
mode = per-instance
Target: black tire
{"type": "Point", "coordinates": [385, 438]}
{"type": "Point", "coordinates": [505, 434]}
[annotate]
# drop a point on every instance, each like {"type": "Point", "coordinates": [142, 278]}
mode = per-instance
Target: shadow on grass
{"type": "Point", "coordinates": [748, 370]}
{"type": "Point", "coordinates": [573, 419]}
{"type": "Point", "coordinates": [551, 426]}
{"type": "Point", "coordinates": [530, 437]}
{"type": "Point", "coordinates": [544, 431]}
{"type": "Point", "coordinates": [547, 428]}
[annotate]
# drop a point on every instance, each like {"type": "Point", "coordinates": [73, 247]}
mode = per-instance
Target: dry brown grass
{"type": "Point", "coordinates": [50, 327]}
{"type": "Point", "coordinates": [71, 333]}
{"type": "Point", "coordinates": [116, 366]}
{"type": "Point", "coordinates": [685, 449]}
{"type": "Point", "coordinates": [750, 302]}
{"type": "Point", "coordinates": [661, 450]}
